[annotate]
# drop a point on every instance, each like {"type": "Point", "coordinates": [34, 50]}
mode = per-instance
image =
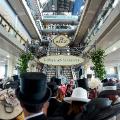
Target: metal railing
{"type": "Point", "coordinates": [101, 18]}
{"type": "Point", "coordinates": [11, 30]}
{"type": "Point", "coordinates": [34, 6]}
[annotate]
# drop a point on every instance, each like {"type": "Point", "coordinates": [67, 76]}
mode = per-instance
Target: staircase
{"type": "Point", "coordinates": [67, 72]}
{"type": "Point", "coordinates": [50, 72]}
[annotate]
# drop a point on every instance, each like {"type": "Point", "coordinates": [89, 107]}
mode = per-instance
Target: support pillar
{"type": "Point", "coordinates": [118, 69]}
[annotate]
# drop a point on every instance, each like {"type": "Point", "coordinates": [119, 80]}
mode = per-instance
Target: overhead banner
{"type": "Point", "coordinates": [61, 60]}
{"type": "Point", "coordinates": [61, 41]}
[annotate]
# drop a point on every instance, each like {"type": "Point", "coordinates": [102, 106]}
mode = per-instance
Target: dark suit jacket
{"type": "Point", "coordinates": [53, 106]}
{"type": "Point", "coordinates": [62, 110]}
{"type": "Point", "coordinates": [39, 117]}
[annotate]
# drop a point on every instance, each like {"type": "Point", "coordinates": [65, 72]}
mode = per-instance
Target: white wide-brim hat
{"type": "Point", "coordinates": [7, 116]}
{"type": "Point", "coordinates": [70, 99]}
{"type": "Point", "coordinates": [79, 94]}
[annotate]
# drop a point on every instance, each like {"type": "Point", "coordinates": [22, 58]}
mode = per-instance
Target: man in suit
{"type": "Point", "coordinates": [110, 91]}
{"type": "Point", "coordinates": [33, 94]}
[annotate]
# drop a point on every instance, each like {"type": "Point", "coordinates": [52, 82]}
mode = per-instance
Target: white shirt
{"type": "Point", "coordinates": [34, 115]}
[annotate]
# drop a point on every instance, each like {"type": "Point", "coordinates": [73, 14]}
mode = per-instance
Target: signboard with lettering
{"type": "Point", "coordinates": [61, 60]}
{"type": "Point", "coordinates": [61, 41]}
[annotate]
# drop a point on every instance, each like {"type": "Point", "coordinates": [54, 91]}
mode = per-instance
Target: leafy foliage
{"type": "Point", "coordinates": [97, 57]}
{"type": "Point", "coordinates": [23, 62]}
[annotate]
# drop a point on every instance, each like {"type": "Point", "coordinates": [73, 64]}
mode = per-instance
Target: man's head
{"type": "Point", "coordinates": [33, 91]}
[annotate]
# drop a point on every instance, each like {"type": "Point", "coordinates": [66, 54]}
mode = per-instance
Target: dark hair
{"type": "Point", "coordinates": [55, 93]}
{"type": "Point", "coordinates": [32, 108]}
{"type": "Point", "coordinates": [68, 86]}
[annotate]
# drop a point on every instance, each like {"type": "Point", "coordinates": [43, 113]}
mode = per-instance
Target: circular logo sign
{"type": "Point", "coordinates": [61, 41]}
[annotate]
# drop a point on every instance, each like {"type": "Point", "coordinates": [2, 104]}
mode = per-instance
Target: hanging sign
{"type": "Point", "coordinates": [61, 60]}
{"type": "Point", "coordinates": [61, 41]}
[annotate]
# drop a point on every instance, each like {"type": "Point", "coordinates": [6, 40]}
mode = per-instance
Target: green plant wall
{"type": "Point", "coordinates": [97, 57]}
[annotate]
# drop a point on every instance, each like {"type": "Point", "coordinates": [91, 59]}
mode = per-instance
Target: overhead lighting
{"type": "Point", "coordinates": [115, 3]}
{"type": "Point", "coordinates": [8, 56]}
{"type": "Point", "coordinates": [114, 49]}
{"type": "Point", "coordinates": [1, 61]}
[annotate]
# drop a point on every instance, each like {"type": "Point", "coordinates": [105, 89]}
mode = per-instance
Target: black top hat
{"type": "Point", "coordinates": [83, 83]}
{"type": "Point", "coordinates": [56, 80]}
{"type": "Point", "coordinates": [105, 80]}
{"type": "Point", "coordinates": [33, 88]}
{"type": "Point", "coordinates": [15, 77]}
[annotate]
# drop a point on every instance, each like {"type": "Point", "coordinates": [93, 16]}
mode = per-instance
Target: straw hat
{"type": "Point", "coordinates": [9, 106]}
{"type": "Point", "coordinates": [79, 94]}
{"type": "Point", "coordinates": [6, 115]}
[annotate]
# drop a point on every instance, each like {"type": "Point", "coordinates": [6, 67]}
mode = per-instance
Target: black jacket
{"type": "Point", "coordinates": [62, 110]}
{"type": "Point", "coordinates": [53, 106]}
{"type": "Point", "coordinates": [39, 117]}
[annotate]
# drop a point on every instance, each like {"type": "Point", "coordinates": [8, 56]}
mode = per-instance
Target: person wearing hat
{"type": "Point", "coordinates": [53, 102]}
{"type": "Point", "coordinates": [83, 83]}
{"type": "Point", "coordinates": [93, 110]}
{"type": "Point", "coordinates": [110, 91]}
{"type": "Point", "coordinates": [10, 108]}
{"type": "Point", "coordinates": [78, 99]}
{"type": "Point", "coordinates": [33, 93]}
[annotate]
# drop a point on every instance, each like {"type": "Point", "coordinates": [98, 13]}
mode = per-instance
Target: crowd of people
{"type": "Point", "coordinates": [37, 99]}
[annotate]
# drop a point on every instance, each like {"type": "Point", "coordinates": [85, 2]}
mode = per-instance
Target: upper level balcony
{"type": "Point", "coordinates": [24, 14]}
{"type": "Point", "coordinates": [11, 40]}
{"type": "Point", "coordinates": [105, 31]}
{"type": "Point", "coordinates": [87, 17]}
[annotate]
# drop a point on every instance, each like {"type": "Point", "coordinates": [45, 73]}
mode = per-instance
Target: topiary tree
{"type": "Point", "coordinates": [97, 57]}
{"type": "Point", "coordinates": [23, 60]}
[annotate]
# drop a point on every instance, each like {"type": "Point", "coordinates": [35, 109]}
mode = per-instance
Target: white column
{"type": "Point", "coordinates": [118, 68]}
{"type": "Point", "coordinates": [9, 72]}
{"type": "Point", "coordinates": [11, 66]}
